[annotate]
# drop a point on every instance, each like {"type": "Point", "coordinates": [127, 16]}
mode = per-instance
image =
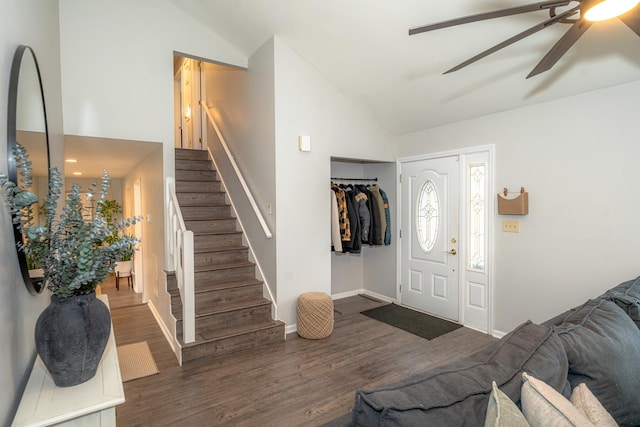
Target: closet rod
{"type": "Point", "coordinates": [354, 179]}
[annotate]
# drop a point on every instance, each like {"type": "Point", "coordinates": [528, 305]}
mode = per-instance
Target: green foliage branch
{"type": "Point", "coordinates": [74, 252]}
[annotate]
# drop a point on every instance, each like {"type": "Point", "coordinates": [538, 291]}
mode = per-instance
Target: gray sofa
{"type": "Point", "coordinates": [597, 343]}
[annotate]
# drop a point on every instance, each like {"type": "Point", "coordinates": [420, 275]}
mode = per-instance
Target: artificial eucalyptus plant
{"type": "Point", "coordinates": [73, 250]}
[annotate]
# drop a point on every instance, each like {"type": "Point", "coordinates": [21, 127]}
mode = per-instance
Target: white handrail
{"type": "Point", "coordinates": [181, 253]}
{"type": "Point", "coordinates": [245, 187]}
{"type": "Point", "coordinates": [257, 261]}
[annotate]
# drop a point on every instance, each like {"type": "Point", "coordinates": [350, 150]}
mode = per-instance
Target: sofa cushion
{"type": "Point", "coordinates": [603, 348]}
{"type": "Point", "coordinates": [627, 296]}
{"type": "Point", "coordinates": [502, 412]}
{"type": "Point", "coordinates": [457, 393]}
{"type": "Point", "coordinates": [543, 406]}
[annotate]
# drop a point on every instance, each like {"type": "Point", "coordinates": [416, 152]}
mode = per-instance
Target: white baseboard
{"type": "Point", "coordinates": [165, 331]}
{"type": "Point", "coordinates": [378, 296]}
{"type": "Point", "coordinates": [288, 329]}
{"type": "Point", "coordinates": [363, 292]}
{"type": "Point", "coordinates": [498, 334]}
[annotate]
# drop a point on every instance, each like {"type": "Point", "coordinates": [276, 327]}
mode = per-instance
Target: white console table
{"type": "Point", "coordinates": [89, 404]}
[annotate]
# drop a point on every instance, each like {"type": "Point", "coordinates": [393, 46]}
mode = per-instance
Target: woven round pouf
{"type": "Point", "coordinates": [314, 315]}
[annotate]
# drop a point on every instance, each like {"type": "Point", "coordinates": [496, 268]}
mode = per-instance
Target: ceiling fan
{"type": "Point", "coordinates": [580, 16]}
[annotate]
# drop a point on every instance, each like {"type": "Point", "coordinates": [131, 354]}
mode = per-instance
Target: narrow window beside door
{"type": "Point", "coordinates": [477, 199]}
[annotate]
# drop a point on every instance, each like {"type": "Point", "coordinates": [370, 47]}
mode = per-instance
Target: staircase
{"type": "Point", "coordinates": [231, 313]}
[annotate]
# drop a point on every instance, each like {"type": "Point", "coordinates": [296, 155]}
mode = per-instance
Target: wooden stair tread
{"type": "Point", "coordinates": [234, 306]}
{"type": "Point", "coordinates": [205, 337]}
{"type": "Point", "coordinates": [208, 287]}
{"type": "Point", "coordinates": [219, 249]}
{"type": "Point", "coordinates": [214, 232]}
{"type": "Point", "coordinates": [224, 266]}
{"type": "Point", "coordinates": [203, 204]}
{"type": "Point", "coordinates": [206, 179]}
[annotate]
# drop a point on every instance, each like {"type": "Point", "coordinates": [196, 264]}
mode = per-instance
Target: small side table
{"type": "Point", "coordinates": [91, 403]}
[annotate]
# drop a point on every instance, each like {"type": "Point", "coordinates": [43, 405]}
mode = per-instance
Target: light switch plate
{"type": "Point", "coordinates": [509, 226]}
{"type": "Point", "coordinates": [304, 143]}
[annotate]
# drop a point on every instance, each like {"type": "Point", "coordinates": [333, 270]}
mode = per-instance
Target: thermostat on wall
{"type": "Point", "coordinates": [304, 143]}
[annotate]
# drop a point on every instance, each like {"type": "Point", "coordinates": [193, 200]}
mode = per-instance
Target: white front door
{"type": "Point", "coordinates": [430, 216]}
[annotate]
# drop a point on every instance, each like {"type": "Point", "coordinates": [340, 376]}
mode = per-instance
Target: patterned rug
{"type": "Point", "coordinates": [136, 361]}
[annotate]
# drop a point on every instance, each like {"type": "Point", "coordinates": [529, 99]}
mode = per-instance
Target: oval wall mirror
{"type": "Point", "coordinates": [27, 125]}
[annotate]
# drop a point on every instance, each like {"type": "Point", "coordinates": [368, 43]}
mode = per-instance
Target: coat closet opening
{"type": "Point", "coordinates": [374, 268]}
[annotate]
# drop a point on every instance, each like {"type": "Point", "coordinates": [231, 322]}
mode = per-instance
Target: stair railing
{"type": "Point", "coordinates": [249, 196]}
{"type": "Point", "coordinates": [181, 254]}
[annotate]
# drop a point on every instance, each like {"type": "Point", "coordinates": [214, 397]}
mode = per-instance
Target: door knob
{"type": "Point", "coordinates": [452, 252]}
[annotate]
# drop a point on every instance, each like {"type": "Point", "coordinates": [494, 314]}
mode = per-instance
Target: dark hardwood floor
{"type": "Point", "coordinates": [296, 383]}
{"type": "Point", "coordinates": [123, 297]}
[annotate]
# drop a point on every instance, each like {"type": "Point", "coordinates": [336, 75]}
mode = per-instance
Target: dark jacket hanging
{"type": "Point", "coordinates": [363, 214]}
{"type": "Point", "coordinates": [355, 244]}
{"type": "Point", "coordinates": [387, 215]}
{"type": "Point", "coordinates": [375, 235]}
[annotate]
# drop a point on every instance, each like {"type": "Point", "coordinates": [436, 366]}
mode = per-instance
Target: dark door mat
{"type": "Point", "coordinates": [413, 321]}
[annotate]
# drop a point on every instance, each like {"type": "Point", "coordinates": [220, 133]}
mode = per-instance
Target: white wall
{"type": "Point", "coordinates": [117, 73]}
{"type": "Point", "coordinates": [35, 23]}
{"type": "Point", "coordinates": [243, 102]}
{"type": "Point", "coordinates": [149, 172]}
{"type": "Point", "coordinates": [578, 159]}
{"type": "Point", "coordinates": [307, 104]}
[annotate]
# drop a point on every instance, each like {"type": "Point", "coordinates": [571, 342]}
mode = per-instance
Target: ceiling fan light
{"type": "Point", "coordinates": [608, 9]}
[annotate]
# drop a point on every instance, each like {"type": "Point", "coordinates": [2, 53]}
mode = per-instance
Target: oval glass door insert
{"type": "Point", "coordinates": [428, 216]}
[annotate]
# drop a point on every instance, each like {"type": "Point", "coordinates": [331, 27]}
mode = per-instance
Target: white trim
{"type": "Point", "coordinates": [246, 237]}
{"type": "Point", "coordinates": [461, 152]}
{"type": "Point", "coordinates": [175, 346]}
{"type": "Point", "coordinates": [236, 169]}
{"type": "Point", "coordinates": [289, 329]}
{"type": "Point", "coordinates": [363, 291]}
{"type": "Point", "coordinates": [449, 153]}
{"type": "Point", "coordinates": [498, 334]}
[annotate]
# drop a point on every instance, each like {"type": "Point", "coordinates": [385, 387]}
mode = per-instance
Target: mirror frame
{"type": "Point", "coordinates": [34, 286]}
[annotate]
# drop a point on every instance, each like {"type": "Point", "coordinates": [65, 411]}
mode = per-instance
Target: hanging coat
{"type": "Point", "coordinates": [343, 216]}
{"type": "Point", "coordinates": [336, 241]}
{"type": "Point", "coordinates": [363, 214]}
{"type": "Point", "coordinates": [354, 223]}
{"type": "Point", "coordinates": [375, 236]}
{"type": "Point", "coordinates": [387, 216]}
{"type": "Point", "coordinates": [375, 190]}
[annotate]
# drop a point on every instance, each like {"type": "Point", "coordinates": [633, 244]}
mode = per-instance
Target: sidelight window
{"type": "Point", "coordinates": [476, 226]}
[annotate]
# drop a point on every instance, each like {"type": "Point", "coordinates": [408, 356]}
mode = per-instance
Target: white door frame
{"type": "Point", "coordinates": [138, 259]}
{"type": "Point", "coordinates": [488, 153]}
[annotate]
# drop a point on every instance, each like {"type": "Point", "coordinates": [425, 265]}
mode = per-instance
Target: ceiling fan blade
{"type": "Point", "coordinates": [490, 15]}
{"type": "Point", "coordinates": [517, 37]}
{"type": "Point", "coordinates": [561, 47]}
{"type": "Point", "coordinates": [632, 19]}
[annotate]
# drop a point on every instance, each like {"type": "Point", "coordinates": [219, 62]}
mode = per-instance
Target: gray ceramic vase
{"type": "Point", "coordinates": [71, 335]}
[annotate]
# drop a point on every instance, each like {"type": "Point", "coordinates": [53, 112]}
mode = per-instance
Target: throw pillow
{"type": "Point", "coordinates": [543, 406]}
{"type": "Point", "coordinates": [588, 404]}
{"type": "Point", "coordinates": [603, 348]}
{"type": "Point", "coordinates": [502, 412]}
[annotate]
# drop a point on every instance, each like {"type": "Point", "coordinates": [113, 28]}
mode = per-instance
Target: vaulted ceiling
{"type": "Point", "coordinates": [363, 47]}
